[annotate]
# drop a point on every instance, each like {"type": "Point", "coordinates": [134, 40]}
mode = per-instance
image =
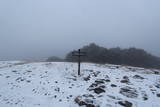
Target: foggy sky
{"type": "Point", "coordinates": [42, 28]}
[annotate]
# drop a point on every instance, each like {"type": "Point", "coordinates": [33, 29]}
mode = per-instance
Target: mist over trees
{"type": "Point", "coordinates": [131, 56]}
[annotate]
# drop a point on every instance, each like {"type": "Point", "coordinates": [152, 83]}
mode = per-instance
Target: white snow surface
{"type": "Point", "coordinates": [56, 84]}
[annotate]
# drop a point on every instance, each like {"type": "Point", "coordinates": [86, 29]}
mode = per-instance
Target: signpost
{"type": "Point", "coordinates": [79, 54]}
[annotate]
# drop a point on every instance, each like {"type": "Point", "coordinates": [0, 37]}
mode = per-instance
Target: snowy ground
{"type": "Point", "coordinates": [56, 84]}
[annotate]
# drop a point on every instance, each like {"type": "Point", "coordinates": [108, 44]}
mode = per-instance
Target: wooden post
{"type": "Point", "coordinates": [79, 54]}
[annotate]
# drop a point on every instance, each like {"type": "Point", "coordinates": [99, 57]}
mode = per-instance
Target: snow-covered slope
{"type": "Point", "coordinates": [56, 84]}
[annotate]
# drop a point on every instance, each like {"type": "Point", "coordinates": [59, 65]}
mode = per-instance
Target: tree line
{"type": "Point", "coordinates": [131, 56]}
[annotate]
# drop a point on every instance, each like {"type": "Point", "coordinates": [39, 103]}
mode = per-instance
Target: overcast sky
{"type": "Point", "coordinates": [41, 28]}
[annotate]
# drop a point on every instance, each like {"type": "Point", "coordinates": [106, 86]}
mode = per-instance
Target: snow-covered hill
{"type": "Point", "coordinates": [56, 84]}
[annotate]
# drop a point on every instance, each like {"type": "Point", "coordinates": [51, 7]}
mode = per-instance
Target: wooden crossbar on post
{"type": "Point", "coordinates": [79, 54]}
